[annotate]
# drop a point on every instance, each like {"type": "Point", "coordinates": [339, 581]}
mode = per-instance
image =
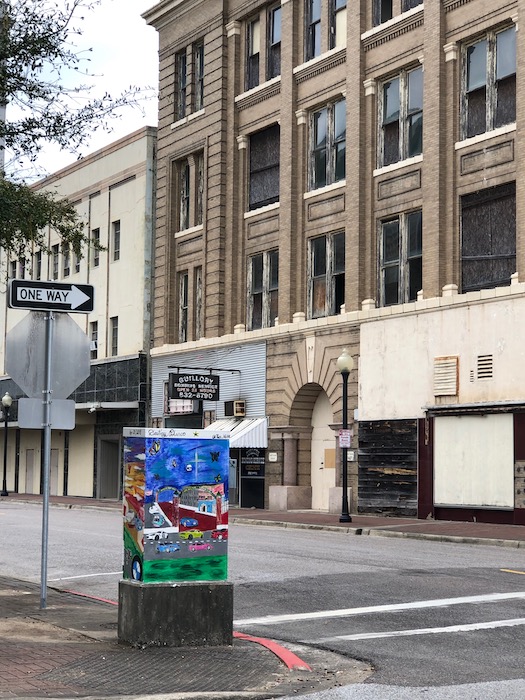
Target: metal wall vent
{"type": "Point", "coordinates": [485, 366]}
{"type": "Point", "coordinates": [446, 376]}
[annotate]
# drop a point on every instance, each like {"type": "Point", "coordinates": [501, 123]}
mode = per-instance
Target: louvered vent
{"type": "Point", "coordinates": [485, 366]}
{"type": "Point", "coordinates": [446, 376]}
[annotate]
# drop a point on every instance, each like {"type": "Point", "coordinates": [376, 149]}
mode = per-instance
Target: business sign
{"type": "Point", "coordinates": [51, 296]}
{"type": "Point", "coordinates": [201, 387]}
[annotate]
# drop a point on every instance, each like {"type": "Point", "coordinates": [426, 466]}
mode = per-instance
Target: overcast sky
{"type": "Point", "coordinates": [124, 53]}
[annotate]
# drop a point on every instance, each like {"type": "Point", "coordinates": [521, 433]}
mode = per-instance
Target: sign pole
{"type": "Point", "coordinates": [46, 400]}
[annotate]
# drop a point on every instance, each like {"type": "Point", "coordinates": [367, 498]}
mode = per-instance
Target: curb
{"type": "Point", "coordinates": [378, 532]}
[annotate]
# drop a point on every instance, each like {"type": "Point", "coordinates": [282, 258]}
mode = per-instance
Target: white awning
{"type": "Point", "coordinates": [244, 432]}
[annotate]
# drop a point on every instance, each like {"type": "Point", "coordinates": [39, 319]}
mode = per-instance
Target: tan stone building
{"type": "Point", "coordinates": [336, 174]}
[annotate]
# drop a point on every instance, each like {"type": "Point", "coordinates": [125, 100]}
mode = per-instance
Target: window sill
{"type": "Point", "coordinates": [321, 63]}
{"type": "Point", "coordinates": [189, 231]}
{"type": "Point", "coordinates": [261, 210]}
{"type": "Point", "coordinates": [187, 119]}
{"type": "Point", "coordinates": [391, 26]}
{"type": "Point", "coordinates": [473, 140]}
{"type": "Point", "coordinates": [397, 166]}
{"type": "Point", "coordinates": [324, 190]}
{"type": "Point", "coordinates": [258, 94]}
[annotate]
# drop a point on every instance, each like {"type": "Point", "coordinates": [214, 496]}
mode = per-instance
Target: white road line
{"type": "Point", "coordinates": [393, 607]}
{"type": "Point", "coordinates": [69, 578]}
{"type": "Point", "coordinates": [427, 630]}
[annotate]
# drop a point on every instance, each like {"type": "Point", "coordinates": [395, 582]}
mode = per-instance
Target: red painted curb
{"type": "Point", "coordinates": [285, 655]}
{"type": "Point", "coordinates": [86, 595]}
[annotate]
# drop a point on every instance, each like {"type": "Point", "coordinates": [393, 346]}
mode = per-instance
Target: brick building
{"type": "Point", "coordinates": [335, 174]}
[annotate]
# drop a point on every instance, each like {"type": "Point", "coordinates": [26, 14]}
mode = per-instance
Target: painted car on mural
{"type": "Point", "coordinates": [219, 534]}
{"type": "Point", "coordinates": [196, 546]}
{"type": "Point", "coordinates": [189, 522]}
{"type": "Point", "coordinates": [191, 535]}
{"type": "Point", "coordinates": [167, 547]}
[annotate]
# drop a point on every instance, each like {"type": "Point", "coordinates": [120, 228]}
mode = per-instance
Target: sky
{"type": "Point", "coordinates": [124, 53]}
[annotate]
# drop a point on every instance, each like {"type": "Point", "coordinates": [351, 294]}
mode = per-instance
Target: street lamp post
{"type": "Point", "coordinates": [345, 365]}
{"type": "Point", "coordinates": [6, 404]}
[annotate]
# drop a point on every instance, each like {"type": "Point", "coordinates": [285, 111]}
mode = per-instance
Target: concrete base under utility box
{"type": "Point", "coordinates": [175, 614]}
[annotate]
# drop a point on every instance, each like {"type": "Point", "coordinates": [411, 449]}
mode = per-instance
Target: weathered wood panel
{"type": "Point", "coordinates": [388, 467]}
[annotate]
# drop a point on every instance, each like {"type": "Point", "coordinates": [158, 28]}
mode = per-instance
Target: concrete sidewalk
{"type": "Point", "coordinates": [71, 650]}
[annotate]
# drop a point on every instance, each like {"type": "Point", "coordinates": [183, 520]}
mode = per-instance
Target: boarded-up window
{"type": "Point", "coordinates": [264, 167]}
{"type": "Point", "coordinates": [488, 237]}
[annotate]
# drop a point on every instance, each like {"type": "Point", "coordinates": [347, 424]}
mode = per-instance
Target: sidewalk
{"type": "Point", "coordinates": [71, 650]}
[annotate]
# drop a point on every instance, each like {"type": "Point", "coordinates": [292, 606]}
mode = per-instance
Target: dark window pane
{"type": "Point", "coordinates": [257, 312]}
{"type": "Point", "coordinates": [274, 269]}
{"type": "Point", "coordinates": [415, 236]}
{"type": "Point", "coordinates": [385, 10]}
{"type": "Point", "coordinates": [339, 292]}
{"type": "Point", "coordinates": [391, 241]}
{"type": "Point", "coordinates": [274, 308]}
{"type": "Point", "coordinates": [415, 278]}
{"type": "Point", "coordinates": [338, 247]}
{"type": "Point", "coordinates": [391, 285]}
{"type": "Point", "coordinates": [257, 273]}
{"type": "Point", "coordinates": [391, 143]}
{"type": "Point", "coordinates": [319, 169]}
{"type": "Point", "coordinates": [415, 134]}
{"type": "Point", "coordinates": [477, 65]}
{"type": "Point", "coordinates": [318, 248]}
{"type": "Point", "coordinates": [409, 4]}
{"type": "Point", "coordinates": [340, 162]}
{"type": "Point", "coordinates": [476, 112]}
{"type": "Point", "coordinates": [391, 101]}
{"type": "Point", "coordinates": [506, 53]}
{"type": "Point", "coordinates": [505, 101]}
{"type": "Point", "coordinates": [274, 61]}
{"type": "Point", "coordinates": [415, 90]}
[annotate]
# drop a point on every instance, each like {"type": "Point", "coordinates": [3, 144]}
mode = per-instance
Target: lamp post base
{"type": "Point", "coordinates": [345, 518]}
{"type": "Point", "coordinates": [4, 493]}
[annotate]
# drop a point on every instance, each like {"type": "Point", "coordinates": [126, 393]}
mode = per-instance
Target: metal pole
{"type": "Point", "coordinates": [345, 515]}
{"type": "Point", "coordinates": [46, 401]}
{"type": "Point", "coordinates": [4, 480]}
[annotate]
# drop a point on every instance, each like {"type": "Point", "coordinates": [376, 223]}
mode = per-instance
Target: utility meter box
{"type": "Point", "coordinates": [175, 504]}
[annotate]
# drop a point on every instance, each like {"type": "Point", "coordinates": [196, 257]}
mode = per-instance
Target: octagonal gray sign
{"type": "Point", "coordinates": [25, 350]}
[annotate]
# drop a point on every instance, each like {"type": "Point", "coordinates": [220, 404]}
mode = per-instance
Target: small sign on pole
{"type": "Point", "coordinates": [345, 438]}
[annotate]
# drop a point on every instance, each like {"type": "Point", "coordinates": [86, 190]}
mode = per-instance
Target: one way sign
{"type": "Point", "coordinates": [51, 296]}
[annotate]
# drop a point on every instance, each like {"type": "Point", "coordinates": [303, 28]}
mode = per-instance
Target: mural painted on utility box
{"type": "Point", "coordinates": [175, 505]}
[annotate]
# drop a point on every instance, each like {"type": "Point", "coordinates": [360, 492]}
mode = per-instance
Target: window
{"type": "Point", "coordinates": [54, 259]}
{"type": "Point", "coordinates": [116, 240]}
{"type": "Point", "coordinates": [274, 43]}
{"type": "Point", "coordinates": [183, 307]}
{"type": "Point", "coordinates": [22, 269]}
{"type": "Point", "coordinates": [181, 78]}
{"type": "Point", "coordinates": [313, 29]}
{"type": "Point", "coordinates": [188, 198]}
{"type": "Point", "coordinates": [77, 262]}
{"type": "Point", "coordinates": [382, 11]}
{"type": "Point", "coordinates": [93, 333]}
{"type": "Point", "coordinates": [37, 265]}
{"type": "Point", "coordinates": [328, 145]}
{"type": "Point", "coordinates": [114, 335]}
{"type": "Point", "coordinates": [95, 242]}
{"type": "Point", "coordinates": [263, 288]}
{"type": "Point", "coordinates": [337, 23]}
{"type": "Point", "coordinates": [489, 99]}
{"type": "Point", "coordinates": [326, 279]}
{"type": "Point", "coordinates": [12, 269]}
{"type": "Point", "coordinates": [409, 4]}
{"type": "Point", "coordinates": [401, 120]}
{"type": "Point", "coordinates": [264, 167]}
{"type": "Point", "coordinates": [488, 237]}
{"type": "Point", "coordinates": [253, 52]}
{"type": "Point", "coordinates": [401, 258]}
{"type": "Point", "coordinates": [66, 260]}
{"type": "Point", "coordinates": [198, 76]}
{"type": "Point", "coordinates": [197, 290]}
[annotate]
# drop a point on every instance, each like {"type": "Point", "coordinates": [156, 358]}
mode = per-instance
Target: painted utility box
{"type": "Point", "coordinates": [175, 505]}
